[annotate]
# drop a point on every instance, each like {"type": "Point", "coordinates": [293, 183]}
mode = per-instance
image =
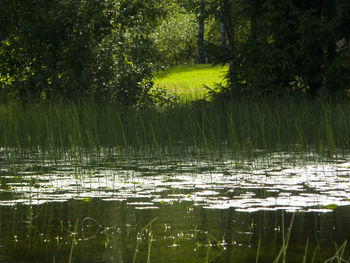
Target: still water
{"type": "Point", "coordinates": [101, 208]}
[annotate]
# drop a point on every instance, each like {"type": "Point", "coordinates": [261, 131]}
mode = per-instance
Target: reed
{"type": "Point", "coordinates": [240, 128]}
{"type": "Point", "coordinates": [148, 230]}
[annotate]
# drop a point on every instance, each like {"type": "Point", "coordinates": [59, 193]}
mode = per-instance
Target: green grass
{"type": "Point", "coordinates": [187, 80]}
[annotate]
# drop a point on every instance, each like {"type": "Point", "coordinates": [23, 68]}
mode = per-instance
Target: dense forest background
{"type": "Point", "coordinates": [107, 50]}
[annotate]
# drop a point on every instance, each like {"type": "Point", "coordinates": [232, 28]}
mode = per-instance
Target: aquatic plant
{"type": "Point", "coordinates": [240, 128]}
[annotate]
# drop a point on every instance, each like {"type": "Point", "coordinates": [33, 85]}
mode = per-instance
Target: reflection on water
{"type": "Point", "coordinates": [203, 210]}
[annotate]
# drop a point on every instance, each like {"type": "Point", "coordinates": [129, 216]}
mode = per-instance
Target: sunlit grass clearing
{"type": "Point", "coordinates": [188, 81]}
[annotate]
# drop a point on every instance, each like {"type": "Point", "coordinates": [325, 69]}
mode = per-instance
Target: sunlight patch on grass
{"type": "Point", "coordinates": [188, 81]}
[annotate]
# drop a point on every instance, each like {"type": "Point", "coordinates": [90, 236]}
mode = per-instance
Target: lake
{"type": "Point", "coordinates": [113, 207]}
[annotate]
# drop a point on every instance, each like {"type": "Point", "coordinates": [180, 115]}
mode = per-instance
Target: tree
{"type": "Point", "coordinates": [51, 48]}
{"type": "Point", "coordinates": [226, 20]}
{"type": "Point", "coordinates": [257, 21]}
{"type": "Point", "coordinates": [175, 38]}
{"type": "Point", "coordinates": [200, 41]}
{"type": "Point", "coordinates": [294, 46]}
{"type": "Point", "coordinates": [68, 49]}
{"type": "Point", "coordinates": [200, 8]}
{"type": "Point", "coordinates": [306, 33]}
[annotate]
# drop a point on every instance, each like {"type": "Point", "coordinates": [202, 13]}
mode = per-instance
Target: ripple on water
{"type": "Point", "coordinates": [307, 186]}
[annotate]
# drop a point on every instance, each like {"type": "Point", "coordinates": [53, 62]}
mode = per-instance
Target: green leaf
{"type": "Point", "coordinates": [332, 206]}
{"type": "Point", "coordinates": [86, 199]}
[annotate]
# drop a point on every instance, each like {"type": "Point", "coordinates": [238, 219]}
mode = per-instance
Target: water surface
{"type": "Point", "coordinates": [99, 208]}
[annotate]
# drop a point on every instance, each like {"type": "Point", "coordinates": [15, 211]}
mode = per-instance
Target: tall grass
{"type": "Point", "coordinates": [200, 128]}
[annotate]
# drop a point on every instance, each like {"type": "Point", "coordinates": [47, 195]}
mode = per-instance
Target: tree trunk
{"type": "Point", "coordinates": [258, 28]}
{"type": "Point", "coordinates": [222, 35]}
{"type": "Point", "coordinates": [228, 27]}
{"type": "Point", "coordinates": [257, 23]}
{"type": "Point", "coordinates": [200, 41]}
{"type": "Point", "coordinates": [227, 21]}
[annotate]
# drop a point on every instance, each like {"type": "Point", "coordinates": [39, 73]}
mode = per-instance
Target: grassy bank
{"type": "Point", "coordinates": [234, 128]}
{"type": "Point", "coordinates": [187, 80]}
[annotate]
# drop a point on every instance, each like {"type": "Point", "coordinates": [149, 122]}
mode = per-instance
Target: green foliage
{"type": "Point", "coordinates": [175, 38]}
{"type": "Point", "coordinates": [52, 49]}
{"type": "Point", "coordinates": [260, 70]}
{"type": "Point", "coordinates": [294, 46]}
{"type": "Point", "coordinates": [107, 50]}
{"type": "Point", "coordinates": [73, 49]}
{"type": "Point", "coordinates": [306, 35]}
{"type": "Point", "coordinates": [124, 73]}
